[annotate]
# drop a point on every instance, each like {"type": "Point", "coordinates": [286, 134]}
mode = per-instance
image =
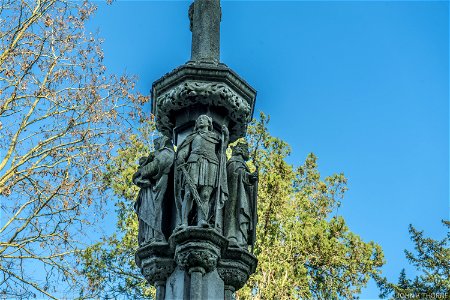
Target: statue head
{"type": "Point", "coordinates": [157, 143]}
{"type": "Point", "coordinates": [203, 121]}
{"type": "Point", "coordinates": [241, 148]}
{"type": "Point", "coordinates": [161, 142]}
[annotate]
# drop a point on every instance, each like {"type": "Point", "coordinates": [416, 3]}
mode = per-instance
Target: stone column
{"type": "Point", "coordinates": [197, 252]}
{"type": "Point", "coordinates": [205, 18]}
{"type": "Point", "coordinates": [196, 274]}
{"type": "Point", "coordinates": [229, 292]}
{"type": "Point", "coordinates": [160, 289]}
{"type": "Point", "coordinates": [198, 261]}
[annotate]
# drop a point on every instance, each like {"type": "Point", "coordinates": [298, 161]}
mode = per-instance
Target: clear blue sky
{"type": "Point", "coordinates": [363, 85]}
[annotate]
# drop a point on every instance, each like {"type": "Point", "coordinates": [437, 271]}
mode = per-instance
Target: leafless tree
{"type": "Point", "coordinates": [61, 117]}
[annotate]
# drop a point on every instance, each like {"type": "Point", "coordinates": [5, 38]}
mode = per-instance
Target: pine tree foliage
{"type": "Point", "coordinates": [431, 259]}
{"type": "Point", "coordinates": [305, 250]}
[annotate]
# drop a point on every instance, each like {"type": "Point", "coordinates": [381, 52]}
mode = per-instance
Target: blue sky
{"type": "Point", "coordinates": [363, 85]}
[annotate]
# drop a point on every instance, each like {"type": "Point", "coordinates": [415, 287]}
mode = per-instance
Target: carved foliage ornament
{"type": "Point", "coordinates": [157, 269]}
{"type": "Point", "coordinates": [234, 274]}
{"type": "Point", "coordinates": [197, 254]}
{"type": "Point", "coordinates": [209, 93]}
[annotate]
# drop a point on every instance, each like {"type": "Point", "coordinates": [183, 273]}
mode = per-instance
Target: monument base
{"type": "Point", "coordinates": [197, 263]}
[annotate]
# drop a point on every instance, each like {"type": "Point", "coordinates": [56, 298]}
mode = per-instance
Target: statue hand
{"type": "Point", "coordinates": [254, 177]}
{"type": "Point", "coordinates": [151, 156]}
{"type": "Point", "coordinates": [136, 175]}
{"type": "Point", "coordinates": [225, 130]}
{"type": "Point", "coordinates": [226, 133]}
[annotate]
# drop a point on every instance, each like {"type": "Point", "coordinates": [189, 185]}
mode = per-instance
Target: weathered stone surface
{"type": "Point", "coordinates": [191, 93]}
{"type": "Point", "coordinates": [236, 266]}
{"type": "Point", "coordinates": [199, 87]}
{"type": "Point", "coordinates": [197, 247]}
{"type": "Point", "coordinates": [156, 262]}
{"type": "Point", "coordinates": [205, 18]}
{"type": "Point", "coordinates": [153, 179]}
{"type": "Point", "coordinates": [177, 285]}
{"type": "Point", "coordinates": [213, 286]}
{"type": "Point", "coordinates": [202, 106]}
{"type": "Point", "coordinates": [200, 169]}
{"type": "Point", "coordinates": [197, 251]}
{"type": "Point", "coordinates": [240, 209]}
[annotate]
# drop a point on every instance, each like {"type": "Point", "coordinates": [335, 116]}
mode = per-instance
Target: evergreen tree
{"type": "Point", "coordinates": [432, 260]}
{"type": "Point", "coordinates": [305, 250]}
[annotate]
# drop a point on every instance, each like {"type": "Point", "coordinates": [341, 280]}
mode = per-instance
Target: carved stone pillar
{"type": "Point", "coordinates": [197, 262]}
{"type": "Point", "coordinates": [197, 252]}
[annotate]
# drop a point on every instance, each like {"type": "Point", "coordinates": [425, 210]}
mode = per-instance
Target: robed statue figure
{"type": "Point", "coordinates": [240, 209]}
{"type": "Point", "coordinates": [152, 177]}
{"type": "Point", "coordinates": [201, 176]}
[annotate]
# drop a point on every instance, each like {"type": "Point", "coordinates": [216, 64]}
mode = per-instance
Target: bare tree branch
{"type": "Point", "coordinates": [61, 118]}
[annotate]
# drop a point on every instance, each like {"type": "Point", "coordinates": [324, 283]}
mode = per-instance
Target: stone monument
{"type": "Point", "coordinates": [196, 210]}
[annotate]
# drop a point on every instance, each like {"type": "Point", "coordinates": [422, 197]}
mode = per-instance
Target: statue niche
{"type": "Point", "coordinates": [240, 209]}
{"type": "Point", "coordinates": [152, 177]}
{"type": "Point", "coordinates": [201, 181]}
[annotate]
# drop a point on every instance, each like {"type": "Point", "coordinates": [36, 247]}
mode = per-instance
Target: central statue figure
{"type": "Point", "coordinates": [201, 176]}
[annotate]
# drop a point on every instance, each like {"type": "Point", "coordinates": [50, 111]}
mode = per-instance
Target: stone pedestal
{"type": "Point", "coordinates": [235, 267]}
{"type": "Point", "coordinates": [157, 264]}
{"type": "Point", "coordinates": [197, 264]}
{"type": "Point", "coordinates": [197, 253]}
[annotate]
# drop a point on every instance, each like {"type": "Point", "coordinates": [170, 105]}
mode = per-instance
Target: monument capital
{"type": "Point", "coordinates": [213, 88]}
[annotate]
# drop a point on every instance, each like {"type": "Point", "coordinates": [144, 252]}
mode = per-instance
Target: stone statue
{"type": "Point", "coordinates": [201, 176]}
{"type": "Point", "coordinates": [152, 177]}
{"type": "Point", "coordinates": [240, 209]}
